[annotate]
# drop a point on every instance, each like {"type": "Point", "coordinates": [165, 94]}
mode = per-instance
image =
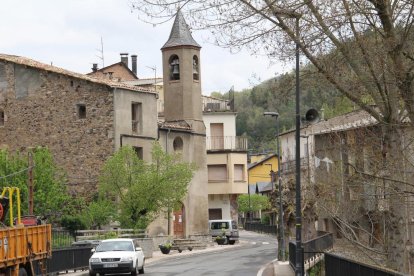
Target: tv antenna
{"type": "Point", "coordinates": [101, 53]}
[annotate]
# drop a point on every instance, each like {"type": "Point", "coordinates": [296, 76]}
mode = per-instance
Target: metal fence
{"type": "Point", "coordinates": [339, 266]}
{"type": "Point", "coordinates": [64, 259]}
{"type": "Point", "coordinates": [261, 228]}
{"type": "Point", "coordinates": [62, 238]}
{"type": "Point", "coordinates": [311, 248]}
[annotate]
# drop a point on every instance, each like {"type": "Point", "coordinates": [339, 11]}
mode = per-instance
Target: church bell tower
{"type": "Point", "coordinates": [181, 71]}
{"type": "Point", "coordinates": [184, 127]}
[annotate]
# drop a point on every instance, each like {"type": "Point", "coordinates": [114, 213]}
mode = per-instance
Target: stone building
{"type": "Point", "coordinates": [82, 120]}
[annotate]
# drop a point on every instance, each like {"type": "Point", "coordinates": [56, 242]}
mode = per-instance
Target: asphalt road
{"type": "Point", "coordinates": [255, 252]}
{"type": "Point", "coordinates": [245, 260]}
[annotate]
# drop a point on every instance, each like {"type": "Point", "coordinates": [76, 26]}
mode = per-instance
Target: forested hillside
{"type": "Point", "coordinates": [278, 94]}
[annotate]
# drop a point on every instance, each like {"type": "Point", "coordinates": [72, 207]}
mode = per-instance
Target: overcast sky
{"type": "Point", "coordinates": [68, 34]}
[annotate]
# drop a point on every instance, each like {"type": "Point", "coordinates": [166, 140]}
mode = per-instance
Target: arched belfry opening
{"type": "Point", "coordinates": [174, 62]}
{"type": "Point", "coordinates": [195, 68]}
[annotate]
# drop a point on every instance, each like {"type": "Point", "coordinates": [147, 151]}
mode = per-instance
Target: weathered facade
{"type": "Point", "coordinates": [82, 120]}
{"type": "Point", "coordinates": [183, 129]}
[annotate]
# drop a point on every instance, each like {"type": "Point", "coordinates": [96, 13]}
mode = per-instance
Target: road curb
{"type": "Point", "coordinates": [149, 262]}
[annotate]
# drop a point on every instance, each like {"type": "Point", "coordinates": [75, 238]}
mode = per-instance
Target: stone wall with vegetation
{"type": "Point", "coordinates": [42, 108]}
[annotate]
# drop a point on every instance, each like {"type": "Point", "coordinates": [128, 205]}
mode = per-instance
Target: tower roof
{"type": "Point", "coordinates": [180, 34]}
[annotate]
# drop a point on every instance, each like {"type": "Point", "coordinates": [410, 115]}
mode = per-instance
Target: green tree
{"type": "Point", "coordinates": [50, 196]}
{"type": "Point", "coordinates": [253, 203]}
{"type": "Point", "coordinates": [144, 190]}
{"type": "Point", "coordinates": [99, 213]}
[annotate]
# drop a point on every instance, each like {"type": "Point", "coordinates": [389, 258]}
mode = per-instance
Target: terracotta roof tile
{"type": "Point", "coordinates": [50, 68]}
{"type": "Point", "coordinates": [175, 125]}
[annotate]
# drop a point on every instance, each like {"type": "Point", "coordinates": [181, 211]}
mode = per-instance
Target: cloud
{"type": "Point", "coordinates": [68, 34]}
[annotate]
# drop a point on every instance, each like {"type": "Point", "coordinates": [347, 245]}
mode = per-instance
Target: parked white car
{"type": "Point", "coordinates": [117, 256]}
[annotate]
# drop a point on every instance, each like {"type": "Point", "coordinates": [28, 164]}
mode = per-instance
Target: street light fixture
{"type": "Point", "coordinates": [299, 267]}
{"type": "Point", "coordinates": [281, 226]}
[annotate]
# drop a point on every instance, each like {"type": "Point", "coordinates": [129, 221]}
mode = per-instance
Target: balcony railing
{"type": "Point", "coordinates": [290, 165]}
{"type": "Point", "coordinates": [226, 143]}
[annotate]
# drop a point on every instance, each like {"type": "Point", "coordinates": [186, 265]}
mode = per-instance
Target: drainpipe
{"type": "Point", "coordinates": [168, 211]}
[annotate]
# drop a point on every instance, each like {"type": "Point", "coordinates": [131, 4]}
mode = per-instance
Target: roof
{"type": "Point", "coordinates": [50, 68]}
{"type": "Point", "coordinates": [264, 187]}
{"type": "Point", "coordinates": [261, 161]}
{"type": "Point", "coordinates": [183, 125]}
{"type": "Point", "coordinates": [146, 81]}
{"type": "Point", "coordinates": [180, 34]}
{"type": "Point", "coordinates": [354, 119]}
{"type": "Point", "coordinates": [120, 63]}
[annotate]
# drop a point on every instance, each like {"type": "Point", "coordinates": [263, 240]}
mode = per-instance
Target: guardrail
{"type": "Point", "coordinates": [261, 228]}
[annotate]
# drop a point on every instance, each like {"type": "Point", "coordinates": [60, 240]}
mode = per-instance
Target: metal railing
{"type": "Point", "coordinates": [64, 259]}
{"type": "Point", "coordinates": [311, 248]}
{"type": "Point", "coordinates": [261, 228]}
{"type": "Point", "coordinates": [226, 143]}
{"type": "Point", "coordinates": [339, 266]}
{"type": "Point", "coordinates": [62, 238]}
{"type": "Point", "coordinates": [289, 166]}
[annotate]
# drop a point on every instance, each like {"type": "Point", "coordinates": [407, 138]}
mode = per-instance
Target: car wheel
{"type": "Point", "coordinates": [91, 273]}
{"type": "Point", "coordinates": [135, 271]}
{"type": "Point", "coordinates": [232, 242]}
{"type": "Point", "coordinates": [22, 271]}
{"type": "Point", "coordinates": [141, 271]}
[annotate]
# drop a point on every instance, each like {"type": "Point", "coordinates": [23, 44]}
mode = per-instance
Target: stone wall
{"type": "Point", "coordinates": [42, 109]}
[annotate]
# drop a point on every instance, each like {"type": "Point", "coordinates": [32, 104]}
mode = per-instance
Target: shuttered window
{"type": "Point", "coordinates": [217, 173]}
{"type": "Point", "coordinates": [238, 172]}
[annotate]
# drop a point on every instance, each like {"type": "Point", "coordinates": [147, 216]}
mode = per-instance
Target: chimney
{"type": "Point", "coordinates": [124, 58]}
{"type": "Point", "coordinates": [134, 64]}
{"type": "Point", "coordinates": [94, 67]}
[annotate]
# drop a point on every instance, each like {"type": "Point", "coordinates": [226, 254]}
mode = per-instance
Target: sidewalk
{"type": "Point", "coordinates": [158, 256]}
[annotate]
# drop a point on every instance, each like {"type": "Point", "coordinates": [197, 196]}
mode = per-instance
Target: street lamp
{"type": "Point", "coordinates": [299, 267]}
{"type": "Point", "coordinates": [281, 226]}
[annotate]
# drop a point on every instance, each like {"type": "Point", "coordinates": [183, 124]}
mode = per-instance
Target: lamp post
{"type": "Point", "coordinates": [281, 226]}
{"type": "Point", "coordinates": [299, 270]}
{"type": "Point", "coordinates": [299, 267]}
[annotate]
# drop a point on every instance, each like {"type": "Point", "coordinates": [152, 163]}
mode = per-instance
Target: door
{"type": "Point", "coordinates": [217, 136]}
{"type": "Point", "coordinates": [179, 223]}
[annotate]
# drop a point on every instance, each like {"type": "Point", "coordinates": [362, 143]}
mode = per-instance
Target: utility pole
{"type": "Point", "coordinates": [30, 182]}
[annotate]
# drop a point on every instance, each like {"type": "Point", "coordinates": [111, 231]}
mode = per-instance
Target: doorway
{"type": "Point", "coordinates": [179, 222]}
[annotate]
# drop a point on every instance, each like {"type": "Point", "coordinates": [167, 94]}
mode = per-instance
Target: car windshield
{"type": "Point", "coordinates": [115, 246]}
{"type": "Point", "coordinates": [219, 225]}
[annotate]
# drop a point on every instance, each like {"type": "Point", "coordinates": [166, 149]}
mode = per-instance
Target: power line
{"type": "Point", "coordinates": [16, 173]}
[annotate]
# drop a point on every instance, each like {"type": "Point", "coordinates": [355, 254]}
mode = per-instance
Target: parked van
{"type": "Point", "coordinates": [227, 226]}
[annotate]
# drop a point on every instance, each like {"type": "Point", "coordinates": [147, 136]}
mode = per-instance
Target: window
{"type": "Point", "coordinates": [217, 173]}
{"type": "Point", "coordinates": [178, 144]}
{"type": "Point", "coordinates": [174, 67]}
{"type": "Point", "coordinates": [81, 110]}
{"type": "Point", "coordinates": [139, 152]}
{"type": "Point", "coordinates": [217, 136]}
{"type": "Point", "coordinates": [136, 116]}
{"type": "Point", "coordinates": [238, 172]}
{"type": "Point", "coordinates": [1, 118]}
{"type": "Point", "coordinates": [215, 214]}
{"type": "Point", "coordinates": [195, 68]}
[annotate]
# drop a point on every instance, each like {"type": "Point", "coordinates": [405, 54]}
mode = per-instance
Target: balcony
{"type": "Point", "coordinates": [290, 166]}
{"type": "Point", "coordinates": [226, 143]}
{"type": "Point", "coordinates": [216, 105]}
